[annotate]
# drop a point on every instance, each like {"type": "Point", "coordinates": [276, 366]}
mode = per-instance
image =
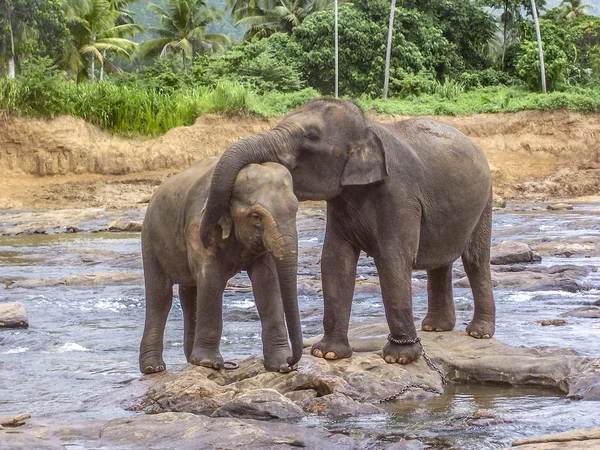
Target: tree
{"type": "Point", "coordinates": [265, 17]}
{"type": "Point", "coordinates": [539, 42]}
{"type": "Point", "coordinates": [30, 27]}
{"type": "Point", "coordinates": [94, 33]}
{"type": "Point", "coordinates": [183, 30]}
{"type": "Point", "coordinates": [388, 53]}
{"type": "Point", "coordinates": [572, 9]}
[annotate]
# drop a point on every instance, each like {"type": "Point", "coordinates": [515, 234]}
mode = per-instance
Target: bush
{"type": "Point", "coordinates": [555, 62]}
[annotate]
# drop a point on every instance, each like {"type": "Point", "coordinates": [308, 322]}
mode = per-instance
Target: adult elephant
{"type": "Point", "coordinates": [256, 232]}
{"type": "Point", "coordinates": [415, 194]}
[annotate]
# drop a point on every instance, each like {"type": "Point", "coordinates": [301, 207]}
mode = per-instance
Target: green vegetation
{"type": "Point", "coordinates": [90, 59]}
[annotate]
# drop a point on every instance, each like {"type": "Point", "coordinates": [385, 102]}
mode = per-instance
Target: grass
{"type": "Point", "coordinates": [137, 111]}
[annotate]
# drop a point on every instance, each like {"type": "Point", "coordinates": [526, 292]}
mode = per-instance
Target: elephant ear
{"type": "Point", "coordinates": [366, 162]}
{"type": "Point", "coordinates": [226, 223]}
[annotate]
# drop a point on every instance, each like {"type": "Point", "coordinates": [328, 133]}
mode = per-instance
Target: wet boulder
{"type": "Point", "coordinates": [584, 312]}
{"type": "Point", "coordinates": [124, 225]}
{"type": "Point", "coordinates": [513, 252]}
{"type": "Point", "coordinates": [559, 206]}
{"type": "Point", "coordinates": [13, 315]}
{"type": "Point", "coordinates": [260, 404]}
{"type": "Point", "coordinates": [583, 439]}
{"type": "Point", "coordinates": [183, 431]}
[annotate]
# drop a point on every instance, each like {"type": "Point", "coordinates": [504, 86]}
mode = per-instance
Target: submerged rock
{"type": "Point", "coordinates": [13, 315]}
{"type": "Point", "coordinates": [513, 252]}
{"type": "Point", "coordinates": [124, 225]}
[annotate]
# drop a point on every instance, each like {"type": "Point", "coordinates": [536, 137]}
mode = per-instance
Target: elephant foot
{"type": "Point", "coordinates": [401, 354]}
{"type": "Point", "coordinates": [151, 364]}
{"type": "Point", "coordinates": [481, 329]}
{"type": "Point", "coordinates": [438, 323]}
{"type": "Point", "coordinates": [331, 349]}
{"type": "Point", "coordinates": [207, 358]}
{"type": "Point", "coordinates": [276, 361]}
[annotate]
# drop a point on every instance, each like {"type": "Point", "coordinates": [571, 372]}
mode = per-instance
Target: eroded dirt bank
{"type": "Point", "coordinates": [68, 163]}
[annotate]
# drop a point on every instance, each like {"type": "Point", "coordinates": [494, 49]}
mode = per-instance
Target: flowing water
{"type": "Point", "coordinates": [82, 343]}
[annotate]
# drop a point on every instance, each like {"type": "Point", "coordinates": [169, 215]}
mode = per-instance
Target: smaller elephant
{"type": "Point", "coordinates": [257, 233]}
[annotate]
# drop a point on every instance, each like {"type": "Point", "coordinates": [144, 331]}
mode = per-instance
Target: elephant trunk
{"type": "Point", "coordinates": [284, 247]}
{"type": "Point", "coordinates": [279, 145]}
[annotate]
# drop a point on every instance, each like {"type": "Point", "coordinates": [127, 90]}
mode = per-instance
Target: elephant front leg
{"type": "Point", "coordinates": [395, 278]}
{"type": "Point", "coordinates": [267, 294]}
{"type": "Point", "coordinates": [209, 321]}
{"type": "Point", "coordinates": [159, 297]}
{"type": "Point", "coordinates": [338, 274]}
{"type": "Point", "coordinates": [441, 315]}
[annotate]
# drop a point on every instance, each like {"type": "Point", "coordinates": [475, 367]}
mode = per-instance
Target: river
{"type": "Point", "coordinates": [82, 343]}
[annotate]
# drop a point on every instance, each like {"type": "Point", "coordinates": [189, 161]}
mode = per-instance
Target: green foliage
{"type": "Point", "coordinates": [487, 77]}
{"type": "Point", "coordinates": [555, 62]}
{"type": "Point", "coordinates": [277, 104]}
{"type": "Point", "coordinates": [263, 65]}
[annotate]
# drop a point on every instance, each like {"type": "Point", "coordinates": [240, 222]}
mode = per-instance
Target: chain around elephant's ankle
{"type": "Point", "coordinates": [393, 340]}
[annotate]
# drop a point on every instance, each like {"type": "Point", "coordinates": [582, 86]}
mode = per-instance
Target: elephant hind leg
{"type": "Point", "coordinates": [476, 261]}
{"type": "Point", "coordinates": [440, 304]}
{"type": "Point", "coordinates": [159, 297]}
{"type": "Point", "coordinates": [187, 297]}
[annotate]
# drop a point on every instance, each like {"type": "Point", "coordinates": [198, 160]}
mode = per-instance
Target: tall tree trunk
{"type": "Point", "coordinates": [102, 65]}
{"type": "Point", "coordinates": [184, 61]}
{"type": "Point", "coordinates": [388, 53]}
{"type": "Point", "coordinates": [540, 49]}
{"type": "Point", "coordinates": [504, 38]}
{"type": "Point", "coordinates": [93, 68]}
{"type": "Point", "coordinates": [11, 56]}
{"type": "Point", "coordinates": [337, 72]}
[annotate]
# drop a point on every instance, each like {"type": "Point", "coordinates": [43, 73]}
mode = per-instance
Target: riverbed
{"type": "Point", "coordinates": [85, 299]}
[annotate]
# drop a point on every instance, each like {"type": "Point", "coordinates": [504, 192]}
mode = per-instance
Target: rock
{"type": "Point", "coordinates": [124, 225]}
{"type": "Point", "coordinates": [554, 322]}
{"type": "Point", "coordinates": [14, 421]}
{"type": "Point", "coordinates": [565, 280]}
{"type": "Point", "coordinates": [511, 252]}
{"type": "Point", "coordinates": [241, 315]}
{"type": "Point", "coordinates": [73, 229]}
{"type": "Point", "coordinates": [339, 405]}
{"type": "Point", "coordinates": [583, 439]}
{"type": "Point", "coordinates": [144, 199]}
{"type": "Point", "coordinates": [597, 302]}
{"type": "Point", "coordinates": [39, 230]}
{"type": "Point", "coordinates": [584, 312]}
{"type": "Point", "coordinates": [13, 315]}
{"type": "Point", "coordinates": [498, 202]}
{"type": "Point", "coordinates": [464, 359]}
{"type": "Point", "coordinates": [183, 431]}
{"type": "Point", "coordinates": [95, 279]}
{"type": "Point", "coordinates": [559, 206]}
{"type": "Point", "coordinates": [260, 404]}
{"type": "Point", "coordinates": [361, 379]}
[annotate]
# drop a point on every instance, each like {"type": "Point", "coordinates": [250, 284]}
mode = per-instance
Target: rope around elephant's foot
{"type": "Point", "coordinates": [429, 362]}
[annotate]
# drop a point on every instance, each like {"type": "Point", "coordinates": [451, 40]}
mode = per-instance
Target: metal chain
{"type": "Point", "coordinates": [429, 362]}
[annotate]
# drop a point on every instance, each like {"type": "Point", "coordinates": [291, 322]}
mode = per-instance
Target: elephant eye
{"type": "Point", "coordinates": [312, 135]}
{"type": "Point", "coordinates": [255, 218]}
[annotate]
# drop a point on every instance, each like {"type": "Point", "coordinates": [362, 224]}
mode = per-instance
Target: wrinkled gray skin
{"type": "Point", "coordinates": [415, 194]}
{"type": "Point", "coordinates": [256, 232]}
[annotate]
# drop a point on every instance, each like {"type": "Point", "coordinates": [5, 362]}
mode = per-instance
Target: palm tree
{"type": "Point", "coordinates": [183, 30]}
{"type": "Point", "coordinates": [572, 9]}
{"type": "Point", "coordinates": [94, 33]}
{"type": "Point", "coordinates": [265, 17]}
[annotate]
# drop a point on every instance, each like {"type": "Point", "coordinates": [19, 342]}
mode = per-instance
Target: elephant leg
{"type": "Point", "coordinates": [159, 297]}
{"type": "Point", "coordinates": [395, 279]}
{"type": "Point", "coordinates": [265, 286]}
{"type": "Point", "coordinates": [441, 315]}
{"type": "Point", "coordinates": [476, 260]}
{"type": "Point", "coordinates": [187, 297]}
{"type": "Point", "coordinates": [338, 275]}
{"type": "Point", "coordinates": [209, 320]}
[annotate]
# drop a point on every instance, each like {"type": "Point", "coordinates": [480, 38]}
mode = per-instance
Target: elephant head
{"type": "Point", "coordinates": [262, 215]}
{"type": "Point", "coordinates": [326, 144]}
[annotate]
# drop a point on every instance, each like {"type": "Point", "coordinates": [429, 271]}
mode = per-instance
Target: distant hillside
{"type": "Point", "coordinates": [147, 18]}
